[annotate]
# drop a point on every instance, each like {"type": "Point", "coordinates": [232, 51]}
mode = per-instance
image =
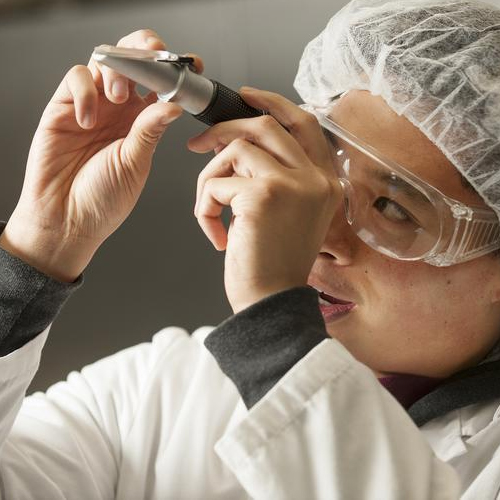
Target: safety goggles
{"type": "Point", "coordinates": [400, 215]}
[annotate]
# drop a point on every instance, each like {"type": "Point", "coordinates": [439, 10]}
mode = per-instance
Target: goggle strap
{"type": "Point", "coordinates": [482, 234]}
{"type": "Point", "coordinates": [478, 237]}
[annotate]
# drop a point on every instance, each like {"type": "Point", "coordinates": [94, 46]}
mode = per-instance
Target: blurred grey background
{"type": "Point", "coordinates": [158, 269]}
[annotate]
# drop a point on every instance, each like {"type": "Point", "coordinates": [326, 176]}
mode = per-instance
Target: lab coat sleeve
{"type": "Point", "coordinates": [16, 372]}
{"type": "Point", "coordinates": [329, 430]}
{"type": "Point", "coordinates": [67, 442]}
{"type": "Point", "coordinates": [53, 445]}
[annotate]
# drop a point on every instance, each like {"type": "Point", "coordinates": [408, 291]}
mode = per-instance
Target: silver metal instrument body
{"type": "Point", "coordinates": [171, 76]}
{"type": "Point", "coordinates": [173, 82]}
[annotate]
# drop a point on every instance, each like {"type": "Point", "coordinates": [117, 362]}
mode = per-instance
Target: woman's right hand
{"type": "Point", "coordinates": [88, 163]}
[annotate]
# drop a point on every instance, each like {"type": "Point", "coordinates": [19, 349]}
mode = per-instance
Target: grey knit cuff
{"type": "Point", "coordinates": [257, 346]}
{"type": "Point", "coordinates": [29, 300]}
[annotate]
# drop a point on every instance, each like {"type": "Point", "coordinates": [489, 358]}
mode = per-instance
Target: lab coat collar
{"type": "Point", "coordinates": [450, 433]}
{"type": "Point", "coordinates": [479, 384]}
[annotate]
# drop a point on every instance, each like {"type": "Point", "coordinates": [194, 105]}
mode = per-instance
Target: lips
{"type": "Point", "coordinates": [333, 308]}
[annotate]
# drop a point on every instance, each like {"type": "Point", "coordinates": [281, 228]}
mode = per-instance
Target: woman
{"type": "Point", "coordinates": [382, 201]}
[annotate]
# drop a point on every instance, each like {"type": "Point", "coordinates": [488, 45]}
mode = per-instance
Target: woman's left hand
{"type": "Point", "coordinates": [282, 192]}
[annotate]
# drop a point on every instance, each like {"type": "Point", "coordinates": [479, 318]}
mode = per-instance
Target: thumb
{"type": "Point", "coordinates": [146, 131]}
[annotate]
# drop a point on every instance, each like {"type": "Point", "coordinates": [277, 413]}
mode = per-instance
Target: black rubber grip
{"type": "Point", "coordinates": [226, 104]}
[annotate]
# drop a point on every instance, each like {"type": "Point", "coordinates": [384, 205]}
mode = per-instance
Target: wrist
{"type": "Point", "coordinates": [63, 259]}
{"type": "Point", "coordinates": [252, 295]}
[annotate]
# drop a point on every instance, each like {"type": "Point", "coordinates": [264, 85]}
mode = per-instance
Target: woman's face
{"type": "Point", "coordinates": [409, 317]}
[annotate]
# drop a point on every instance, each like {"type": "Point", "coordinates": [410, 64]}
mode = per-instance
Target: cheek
{"type": "Point", "coordinates": [421, 303]}
{"type": "Point", "coordinates": [428, 308]}
{"type": "Point", "coordinates": [400, 286]}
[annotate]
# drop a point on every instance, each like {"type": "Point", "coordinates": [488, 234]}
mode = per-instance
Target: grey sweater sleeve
{"type": "Point", "coordinates": [257, 346]}
{"type": "Point", "coordinates": [29, 301]}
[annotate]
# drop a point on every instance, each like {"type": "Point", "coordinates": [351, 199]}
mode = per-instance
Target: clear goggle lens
{"type": "Point", "coordinates": [395, 220]}
{"type": "Point", "coordinates": [401, 216]}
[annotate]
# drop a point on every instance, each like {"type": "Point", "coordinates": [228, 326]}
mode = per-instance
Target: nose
{"type": "Point", "coordinates": [340, 241]}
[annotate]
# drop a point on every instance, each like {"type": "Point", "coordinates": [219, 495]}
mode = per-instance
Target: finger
{"type": "Point", "coordinates": [150, 98]}
{"type": "Point", "coordinates": [241, 158]}
{"type": "Point", "coordinates": [114, 83]}
{"type": "Point", "coordinates": [78, 87]}
{"type": "Point", "coordinates": [146, 131]}
{"type": "Point", "coordinates": [303, 126]}
{"type": "Point", "coordinates": [217, 194]}
{"type": "Point", "coordinates": [263, 131]}
{"type": "Point", "coordinates": [198, 64]}
{"type": "Point", "coordinates": [142, 39]}
{"type": "Point", "coordinates": [117, 87]}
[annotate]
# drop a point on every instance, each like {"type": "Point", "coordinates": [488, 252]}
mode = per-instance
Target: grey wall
{"type": "Point", "coordinates": [158, 269]}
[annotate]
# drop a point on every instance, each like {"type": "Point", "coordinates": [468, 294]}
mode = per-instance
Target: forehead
{"type": "Point", "coordinates": [372, 120]}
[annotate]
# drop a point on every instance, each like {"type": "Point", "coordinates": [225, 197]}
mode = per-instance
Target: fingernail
{"type": "Point", "coordinates": [195, 138]}
{"type": "Point", "coordinates": [153, 40]}
{"type": "Point", "coordinates": [245, 88]}
{"type": "Point", "coordinates": [119, 88]}
{"type": "Point", "coordinates": [88, 119]}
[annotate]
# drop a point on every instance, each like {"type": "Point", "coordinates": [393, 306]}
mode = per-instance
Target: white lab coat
{"type": "Point", "coordinates": [161, 421]}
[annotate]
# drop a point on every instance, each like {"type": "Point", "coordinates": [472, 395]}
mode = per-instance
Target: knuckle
{"type": "Point", "coordinates": [239, 142]}
{"type": "Point", "coordinates": [325, 186]}
{"type": "Point", "coordinates": [123, 41]}
{"type": "Point", "coordinates": [236, 147]}
{"type": "Point", "coordinates": [201, 179]}
{"type": "Point", "coordinates": [266, 121]}
{"type": "Point", "coordinates": [147, 32]}
{"type": "Point", "coordinates": [209, 183]}
{"type": "Point", "coordinates": [309, 118]}
{"type": "Point", "coordinates": [77, 70]}
{"type": "Point", "coordinates": [273, 95]}
{"type": "Point", "coordinates": [131, 39]}
{"type": "Point", "coordinates": [269, 191]}
{"type": "Point", "coordinates": [208, 188]}
{"type": "Point", "coordinates": [148, 137]}
{"type": "Point", "coordinates": [302, 121]}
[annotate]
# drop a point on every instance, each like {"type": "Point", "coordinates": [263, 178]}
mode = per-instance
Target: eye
{"type": "Point", "coordinates": [392, 211]}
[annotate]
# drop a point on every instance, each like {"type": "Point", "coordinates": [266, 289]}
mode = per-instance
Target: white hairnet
{"type": "Point", "coordinates": [435, 62]}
